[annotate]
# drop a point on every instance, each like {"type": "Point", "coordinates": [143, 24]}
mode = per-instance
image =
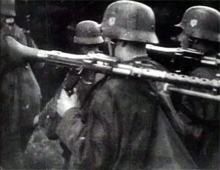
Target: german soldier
{"type": "Point", "coordinates": [121, 126]}
{"type": "Point", "coordinates": [19, 91]}
{"type": "Point", "coordinates": [87, 39]}
{"type": "Point", "coordinates": [201, 31]}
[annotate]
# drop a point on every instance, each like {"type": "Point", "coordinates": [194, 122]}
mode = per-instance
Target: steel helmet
{"type": "Point", "coordinates": [201, 22]}
{"type": "Point", "coordinates": [88, 32]}
{"type": "Point", "coordinates": [7, 7]}
{"type": "Point", "coordinates": [129, 20]}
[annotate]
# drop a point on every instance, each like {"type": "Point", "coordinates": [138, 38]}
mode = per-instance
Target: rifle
{"type": "Point", "coordinates": [190, 54]}
{"type": "Point", "coordinates": [109, 65]}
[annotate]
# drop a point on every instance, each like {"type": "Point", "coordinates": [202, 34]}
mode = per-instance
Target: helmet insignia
{"type": "Point", "coordinates": [193, 22]}
{"type": "Point", "coordinates": [111, 21]}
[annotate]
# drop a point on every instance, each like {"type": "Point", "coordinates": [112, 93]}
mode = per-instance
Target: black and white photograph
{"type": "Point", "coordinates": [109, 84]}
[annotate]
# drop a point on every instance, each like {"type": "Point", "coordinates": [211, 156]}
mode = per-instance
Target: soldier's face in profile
{"type": "Point", "coordinates": [120, 51]}
{"type": "Point", "coordinates": [183, 38]}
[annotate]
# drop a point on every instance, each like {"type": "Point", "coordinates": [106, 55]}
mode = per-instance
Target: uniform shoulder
{"type": "Point", "coordinates": [112, 86]}
{"type": "Point", "coordinates": [117, 86]}
{"type": "Point", "coordinates": [204, 72]}
{"type": "Point", "coordinates": [115, 82]}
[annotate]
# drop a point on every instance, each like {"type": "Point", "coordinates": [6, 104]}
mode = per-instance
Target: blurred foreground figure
{"type": "Point", "coordinates": [87, 39]}
{"type": "Point", "coordinates": [201, 31]}
{"type": "Point", "coordinates": [121, 125]}
{"type": "Point", "coordinates": [19, 92]}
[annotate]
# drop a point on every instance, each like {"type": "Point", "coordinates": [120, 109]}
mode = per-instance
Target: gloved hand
{"type": "Point", "coordinates": [65, 102]}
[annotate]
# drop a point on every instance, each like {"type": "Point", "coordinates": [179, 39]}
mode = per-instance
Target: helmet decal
{"type": "Point", "coordinates": [193, 22]}
{"type": "Point", "coordinates": [111, 21]}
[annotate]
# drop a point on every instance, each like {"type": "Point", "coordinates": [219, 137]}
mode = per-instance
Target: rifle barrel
{"type": "Point", "coordinates": [193, 93]}
{"type": "Point", "coordinates": [106, 65]}
{"type": "Point", "coordinates": [184, 53]}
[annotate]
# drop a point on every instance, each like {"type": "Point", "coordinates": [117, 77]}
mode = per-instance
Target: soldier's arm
{"type": "Point", "coordinates": [180, 122]}
{"type": "Point", "coordinates": [86, 136]}
{"type": "Point", "coordinates": [91, 133]}
{"type": "Point", "coordinates": [49, 119]}
{"type": "Point", "coordinates": [202, 110]}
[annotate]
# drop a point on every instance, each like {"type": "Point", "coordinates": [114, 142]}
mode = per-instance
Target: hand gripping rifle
{"type": "Point", "coordinates": [190, 54]}
{"type": "Point", "coordinates": [109, 65]}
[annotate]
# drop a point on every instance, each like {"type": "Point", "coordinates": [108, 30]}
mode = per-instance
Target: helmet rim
{"type": "Point", "coordinates": [88, 40]}
{"type": "Point", "coordinates": [130, 21]}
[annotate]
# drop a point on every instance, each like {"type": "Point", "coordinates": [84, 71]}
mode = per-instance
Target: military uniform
{"type": "Point", "coordinates": [106, 130]}
{"type": "Point", "coordinates": [87, 33]}
{"type": "Point", "coordinates": [49, 119]}
{"type": "Point", "coordinates": [20, 100]}
{"type": "Point", "coordinates": [200, 24]}
{"type": "Point", "coordinates": [122, 125]}
{"type": "Point", "coordinates": [205, 114]}
{"type": "Point", "coordinates": [83, 83]}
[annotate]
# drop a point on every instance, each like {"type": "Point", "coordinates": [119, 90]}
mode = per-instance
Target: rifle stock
{"type": "Point", "coordinates": [107, 65]}
{"type": "Point", "coordinates": [190, 54]}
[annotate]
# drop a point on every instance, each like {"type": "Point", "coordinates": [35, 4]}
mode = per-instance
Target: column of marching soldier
{"type": "Point", "coordinates": [114, 122]}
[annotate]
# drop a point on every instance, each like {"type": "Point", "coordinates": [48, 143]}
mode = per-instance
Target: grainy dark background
{"type": "Point", "coordinates": [48, 25]}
